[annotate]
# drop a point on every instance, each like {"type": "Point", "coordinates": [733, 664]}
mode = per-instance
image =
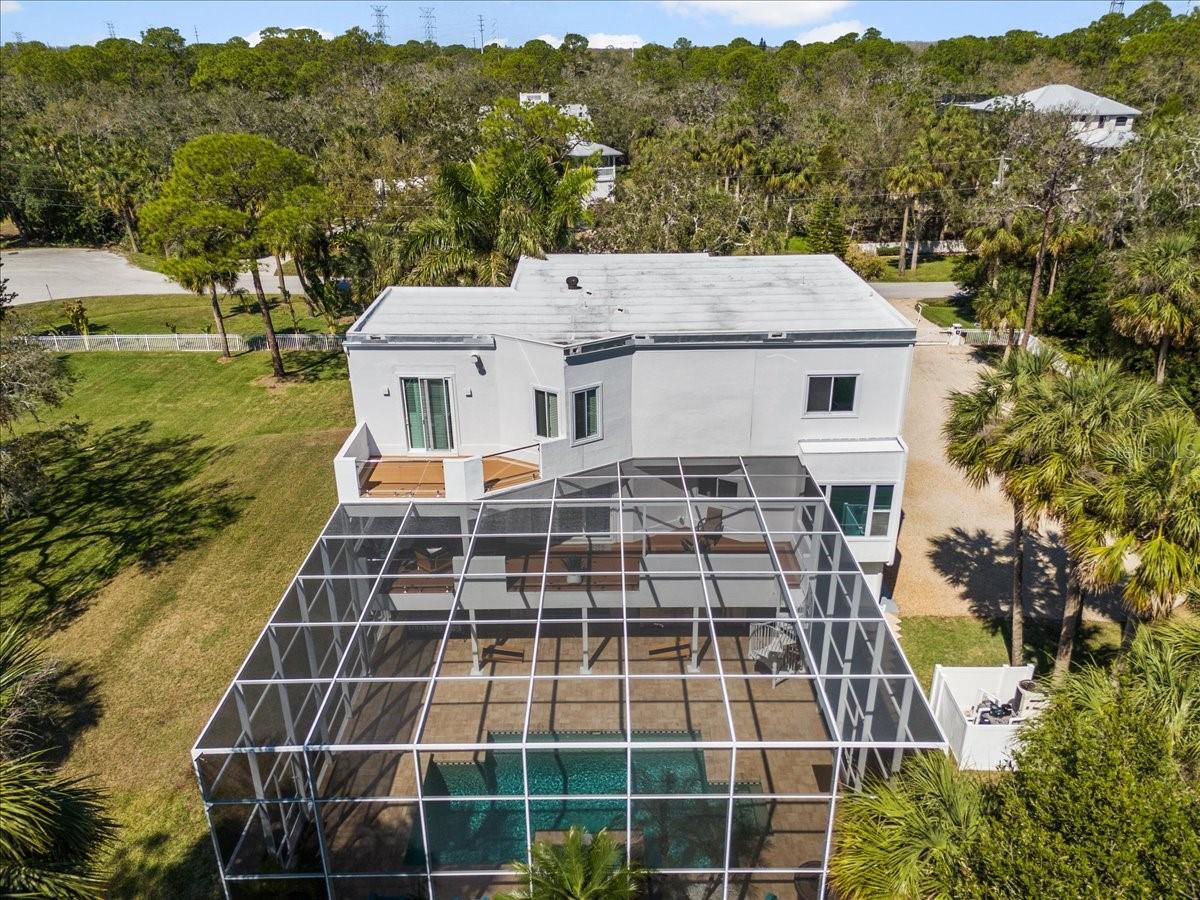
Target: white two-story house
{"type": "Point", "coordinates": [583, 360]}
{"type": "Point", "coordinates": [1099, 122]}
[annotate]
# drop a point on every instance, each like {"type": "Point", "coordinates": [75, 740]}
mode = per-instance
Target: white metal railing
{"type": "Point", "coordinates": [195, 343]}
{"type": "Point", "coordinates": [606, 173]}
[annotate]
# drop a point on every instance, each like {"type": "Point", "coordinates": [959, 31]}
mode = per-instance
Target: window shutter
{"type": "Point", "coordinates": [552, 415]}
{"type": "Point", "coordinates": [439, 415]}
{"type": "Point", "coordinates": [414, 413]}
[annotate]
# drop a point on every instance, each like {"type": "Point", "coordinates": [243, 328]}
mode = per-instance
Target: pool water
{"type": "Point", "coordinates": [470, 834]}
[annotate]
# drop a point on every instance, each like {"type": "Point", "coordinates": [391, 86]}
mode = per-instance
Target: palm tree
{"type": "Point", "coordinates": [53, 832]}
{"type": "Point", "coordinates": [906, 182]}
{"type": "Point", "coordinates": [1001, 305]}
{"type": "Point", "coordinates": [1160, 673]}
{"type": "Point", "coordinates": [1138, 516]}
{"type": "Point", "coordinates": [583, 867]}
{"type": "Point", "coordinates": [975, 432]}
{"type": "Point", "coordinates": [995, 244]}
{"type": "Point", "coordinates": [489, 213]}
{"type": "Point", "coordinates": [1071, 236]}
{"type": "Point", "coordinates": [908, 837]}
{"type": "Point", "coordinates": [1059, 428]}
{"type": "Point", "coordinates": [1164, 306]}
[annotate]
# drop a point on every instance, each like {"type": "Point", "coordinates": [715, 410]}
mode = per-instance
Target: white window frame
{"type": "Point", "coordinates": [599, 435]}
{"type": "Point", "coordinates": [829, 414]}
{"type": "Point", "coordinates": [455, 421]}
{"type": "Point", "coordinates": [874, 486]}
{"type": "Point", "coordinates": [557, 394]}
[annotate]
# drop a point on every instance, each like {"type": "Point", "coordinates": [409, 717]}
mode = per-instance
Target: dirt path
{"type": "Point", "coordinates": [954, 553]}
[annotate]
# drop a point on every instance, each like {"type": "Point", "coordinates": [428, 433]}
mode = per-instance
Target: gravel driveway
{"type": "Point", "coordinates": [954, 550]}
{"type": "Point", "coordinates": [59, 273]}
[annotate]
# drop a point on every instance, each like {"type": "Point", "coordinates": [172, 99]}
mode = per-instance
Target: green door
{"type": "Point", "coordinates": [427, 413]}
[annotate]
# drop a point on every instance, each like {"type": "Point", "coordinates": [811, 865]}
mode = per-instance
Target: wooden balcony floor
{"type": "Point", "coordinates": [392, 476]}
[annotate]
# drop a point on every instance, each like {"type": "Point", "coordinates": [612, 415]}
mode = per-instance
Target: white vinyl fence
{"type": "Point", "coordinates": [198, 343]}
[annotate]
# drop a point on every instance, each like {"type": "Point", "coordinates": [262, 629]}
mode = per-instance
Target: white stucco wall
{"type": "Point", "coordinates": [492, 409]}
{"type": "Point", "coordinates": [752, 400]}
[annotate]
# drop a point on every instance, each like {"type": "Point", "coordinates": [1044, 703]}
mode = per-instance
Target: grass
{"type": "Point", "coordinates": [164, 538]}
{"type": "Point", "coordinates": [968, 641]}
{"type": "Point", "coordinates": [151, 262]}
{"type": "Point", "coordinates": [945, 313]}
{"type": "Point", "coordinates": [157, 313]}
{"type": "Point", "coordinates": [932, 268]}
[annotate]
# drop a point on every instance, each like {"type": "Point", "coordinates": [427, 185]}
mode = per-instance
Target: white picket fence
{"type": "Point", "coordinates": [195, 343]}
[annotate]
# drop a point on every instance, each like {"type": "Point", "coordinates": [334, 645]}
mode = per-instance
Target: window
{"type": "Point", "coordinates": [545, 413]}
{"type": "Point", "coordinates": [586, 406]}
{"type": "Point", "coordinates": [862, 509]}
{"type": "Point", "coordinates": [831, 393]}
{"type": "Point", "coordinates": [427, 413]}
{"type": "Point", "coordinates": [1122, 121]}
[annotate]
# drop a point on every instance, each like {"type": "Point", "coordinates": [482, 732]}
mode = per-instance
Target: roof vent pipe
{"type": "Point", "coordinates": [572, 282]}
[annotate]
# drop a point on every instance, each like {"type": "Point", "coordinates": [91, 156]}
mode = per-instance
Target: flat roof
{"type": "Point", "coordinates": [643, 293]}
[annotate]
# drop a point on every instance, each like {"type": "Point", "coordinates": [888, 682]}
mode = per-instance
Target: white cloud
{"type": "Point", "coordinates": [600, 40]}
{"type": "Point", "coordinates": [830, 31]}
{"type": "Point", "coordinates": [254, 37]}
{"type": "Point", "coordinates": [772, 13]}
{"type": "Point", "coordinates": [497, 42]}
{"type": "Point", "coordinates": [9, 6]}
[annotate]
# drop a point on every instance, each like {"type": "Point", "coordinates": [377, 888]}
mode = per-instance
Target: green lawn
{"type": "Point", "coordinates": [946, 312]}
{"type": "Point", "coordinates": [151, 262]}
{"type": "Point", "coordinates": [158, 313]}
{"type": "Point", "coordinates": [936, 268]}
{"type": "Point", "coordinates": [967, 641]}
{"type": "Point", "coordinates": [164, 538]}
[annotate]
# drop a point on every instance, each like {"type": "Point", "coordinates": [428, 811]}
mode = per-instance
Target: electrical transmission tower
{"type": "Point", "coordinates": [18, 38]}
{"type": "Point", "coordinates": [381, 24]}
{"type": "Point", "coordinates": [429, 20]}
{"type": "Point", "coordinates": [1116, 6]}
{"type": "Point", "coordinates": [112, 29]}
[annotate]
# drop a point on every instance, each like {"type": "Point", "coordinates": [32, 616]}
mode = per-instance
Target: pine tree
{"type": "Point", "coordinates": [826, 228]}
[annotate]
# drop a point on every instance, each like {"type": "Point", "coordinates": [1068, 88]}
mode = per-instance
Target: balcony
{"type": "Point", "coordinates": [364, 473]}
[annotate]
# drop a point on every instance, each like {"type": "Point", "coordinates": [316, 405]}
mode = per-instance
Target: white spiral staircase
{"type": "Point", "coordinates": [776, 644]}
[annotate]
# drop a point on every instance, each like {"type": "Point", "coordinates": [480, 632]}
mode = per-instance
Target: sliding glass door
{"type": "Point", "coordinates": [427, 413]}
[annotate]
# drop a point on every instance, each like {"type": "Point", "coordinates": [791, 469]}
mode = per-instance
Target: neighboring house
{"type": "Point", "coordinates": [595, 564]}
{"type": "Point", "coordinates": [587, 359]}
{"type": "Point", "coordinates": [606, 168]}
{"type": "Point", "coordinates": [1101, 122]}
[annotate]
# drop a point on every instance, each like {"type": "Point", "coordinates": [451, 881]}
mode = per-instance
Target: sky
{"type": "Point", "coordinates": [617, 23]}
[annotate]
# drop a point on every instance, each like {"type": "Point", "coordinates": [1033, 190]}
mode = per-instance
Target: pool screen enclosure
{"type": "Point", "coordinates": [682, 651]}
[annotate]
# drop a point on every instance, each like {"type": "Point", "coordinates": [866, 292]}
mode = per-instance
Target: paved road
{"type": "Point", "coordinates": [59, 273]}
{"type": "Point", "coordinates": [915, 290]}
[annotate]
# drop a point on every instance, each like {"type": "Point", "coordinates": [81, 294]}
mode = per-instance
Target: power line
{"type": "Point", "coordinates": [381, 24]}
{"type": "Point", "coordinates": [428, 19]}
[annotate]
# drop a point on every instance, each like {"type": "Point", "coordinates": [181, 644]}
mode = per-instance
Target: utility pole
{"type": "Point", "coordinates": [381, 27]}
{"type": "Point", "coordinates": [429, 20]}
{"type": "Point", "coordinates": [481, 41]}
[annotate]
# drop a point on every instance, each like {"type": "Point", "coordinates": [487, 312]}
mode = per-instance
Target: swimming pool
{"type": "Point", "coordinates": [467, 834]}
